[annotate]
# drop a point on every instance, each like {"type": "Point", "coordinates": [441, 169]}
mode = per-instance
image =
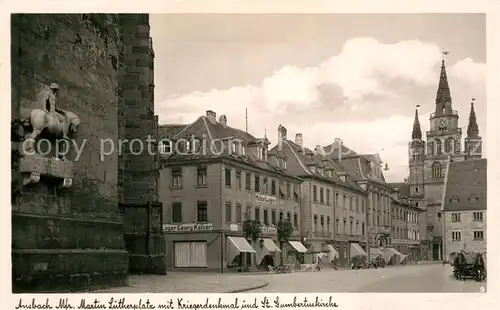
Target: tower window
{"type": "Point", "coordinates": [438, 147]}
{"type": "Point", "coordinates": [430, 148]}
{"type": "Point", "coordinates": [449, 145]}
{"type": "Point", "coordinates": [436, 170]}
{"type": "Point", "coordinates": [416, 189]}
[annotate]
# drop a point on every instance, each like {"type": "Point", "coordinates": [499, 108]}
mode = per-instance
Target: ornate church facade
{"type": "Point", "coordinates": [428, 161]}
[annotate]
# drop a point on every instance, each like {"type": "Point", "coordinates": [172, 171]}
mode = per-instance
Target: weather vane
{"type": "Point", "coordinates": [445, 53]}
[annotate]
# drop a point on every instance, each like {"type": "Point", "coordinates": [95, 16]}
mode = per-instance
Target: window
{"type": "Point", "coordinates": [288, 191]}
{"type": "Point", "coordinates": [238, 179]}
{"type": "Point", "coordinates": [295, 220]}
{"type": "Point", "coordinates": [176, 178]}
{"type": "Point", "coordinates": [322, 222]}
{"type": "Point", "coordinates": [281, 215]}
{"type": "Point", "coordinates": [478, 235]}
{"type": "Point", "coordinates": [344, 227]}
{"type": "Point", "coordinates": [344, 200]}
{"type": "Point", "coordinates": [289, 216]}
{"type": "Point", "coordinates": [472, 198]}
{"type": "Point", "coordinates": [350, 227]}
{"type": "Point", "coordinates": [478, 216]}
{"type": "Point", "coordinates": [248, 184]}
{"type": "Point", "coordinates": [315, 228]}
{"type": "Point", "coordinates": [257, 183]}
{"type": "Point", "coordinates": [315, 194]}
{"type": "Point", "coordinates": [273, 217]}
{"type": "Point", "coordinates": [266, 217]}
{"type": "Point", "coordinates": [337, 197]}
{"type": "Point", "coordinates": [357, 228]}
{"type": "Point", "coordinates": [190, 254]}
{"type": "Point", "coordinates": [449, 145]}
{"type": "Point", "coordinates": [165, 147]}
{"type": "Point", "coordinates": [202, 211]}
{"type": "Point", "coordinates": [455, 217]}
{"type": "Point", "coordinates": [273, 187]}
{"type": "Point", "coordinates": [321, 197]}
{"type": "Point", "coordinates": [337, 226]}
{"type": "Point", "coordinates": [439, 149]}
{"type": "Point", "coordinates": [436, 170]}
{"type": "Point", "coordinates": [264, 189]}
{"type": "Point", "coordinates": [257, 214]}
{"type": "Point", "coordinates": [229, 215]}
{"type": "Point", "coordinates": [362, 205]}
{"type": "Point", "coordinates": [363, 229]}
{"type": "Point", "coordinates": [201, 176]}
{"type": "Point", "coordinates": [239, 215]}
{"type": "Point", "coordinates": [176, 212]}
{"type": "Point", "coordinates": [328, 223]}
{"type": "Point", "coordinates": [456, 235]}
{"type": "Point", "coordinates": [228, 177]}
{"type": "Point", "coordinates": [350, 204]}
{"type": "Point", "coordinates": [328, 196]}
{"type": "Point", "coordinates": [430, 148]}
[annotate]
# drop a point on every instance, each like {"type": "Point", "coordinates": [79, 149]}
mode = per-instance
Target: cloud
{"type": "Point", "coordinates": [469, 71]}
{"type": "Point", "coordinates": [367, 76]}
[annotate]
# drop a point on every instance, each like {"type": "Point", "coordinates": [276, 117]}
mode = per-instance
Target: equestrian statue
{"type": "Point", "coordinates": [57, 123]}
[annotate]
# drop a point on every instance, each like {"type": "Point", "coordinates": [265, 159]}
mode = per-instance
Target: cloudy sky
{"type": "Point", "coordinates": [355, 77]}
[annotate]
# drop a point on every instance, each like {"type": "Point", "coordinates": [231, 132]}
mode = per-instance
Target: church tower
{"type": "Point", "coordinates": [416, 162]}
{"type": "Point", "coordinates": [473, 144]}
{"type": "Point", "coordinates": [443, 145]}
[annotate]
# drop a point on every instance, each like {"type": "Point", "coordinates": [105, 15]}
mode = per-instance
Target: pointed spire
{"type": "Point", "coordinates": [443, 95]}
{"type": "Point", "coordinates": [416, 133]}
{"type": "Point", "coordinates": [472, 128]}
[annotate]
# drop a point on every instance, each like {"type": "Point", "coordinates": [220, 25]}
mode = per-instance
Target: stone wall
{"type": "Point", "coordinates": [71, 239]}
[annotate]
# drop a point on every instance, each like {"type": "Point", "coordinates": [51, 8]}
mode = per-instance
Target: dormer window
{"type": "Point", "coordinates": [343, 178]}
{"type": "Point", "coordinates": [243, 150]}
{"type": "Point", "coordinates": [259, 153]}
{"type": "Point", "coordinates": [165, 147]}
{"type": "Point", "coordinates": [233, 147]}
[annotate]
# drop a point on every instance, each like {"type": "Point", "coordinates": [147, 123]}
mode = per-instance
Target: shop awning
{"type": "Point", "coordinates": [241, 244]}
{"type": "Point", "coordinates": [237, 245]}
{"type": "Point", "coordinates": [270, 245]}
{"type": "Point", "coordinates": [389, 253]}
{"type": "Point", "coordinates": [357, 250]}
{"type": "Point", "coordinates": [376, 252]}
{"type": "Point", "coordinates": [297, 245]}
{"type": "Point", "coordinates": [331, 252]}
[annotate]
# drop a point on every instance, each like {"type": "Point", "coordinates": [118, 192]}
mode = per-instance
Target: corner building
{"type": "Point", "coordinates": [214, 178]}
{"type": "Point", "coordinates": [428, 160]}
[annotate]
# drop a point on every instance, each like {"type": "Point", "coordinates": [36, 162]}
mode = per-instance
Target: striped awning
{"type": "Point", "coordinates": [357, 250]}
{"type": "Point", "coordinates": [270, 245]}
{"type": "Point", "coordinates": [297, 245]}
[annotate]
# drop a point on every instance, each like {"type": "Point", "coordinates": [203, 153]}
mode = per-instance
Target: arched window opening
{"type": "Point", "coordinates": [430, 148]}
{"type": "Point", "coordinates": [439, 149]}
{"type": "Point", "coordinates": [436, 170]}
{"type": "Point", "coordinates": [449, 145]}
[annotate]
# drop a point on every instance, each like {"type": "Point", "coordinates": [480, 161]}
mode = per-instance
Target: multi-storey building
{"type": "Point", "coordinates": [405, 228]}
{"type": "Point", "coordinates": [428, 159]}
{"type": "Point", "coordinates": [333, 206]}
{"type": "Point", "coordinates": [366, 171]}
{"type": "Point", "coordinates": [464, 207]}
{"type": "Point", "coordinates": [216, 178]}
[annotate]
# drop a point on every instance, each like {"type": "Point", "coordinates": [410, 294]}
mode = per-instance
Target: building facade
{"type": "Point", "coordinates": [67, 230]}
{"type": "Point", "coordinates": [465, 207]}
{"type": "Point", "coordinates": [216, 178]}
{"type": "Point", "coordinates": [333, 205]}
{"type": "Point", "coordinates": [428, 160]}
{"type": "Point", "coordinates": [405, 227]}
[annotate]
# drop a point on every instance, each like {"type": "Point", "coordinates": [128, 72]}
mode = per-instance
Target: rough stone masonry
{"type": "Point", "coordinates": [73, 238]}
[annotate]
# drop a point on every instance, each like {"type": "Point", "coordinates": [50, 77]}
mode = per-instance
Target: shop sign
{"type": "Point", "coordinates": [265, 199]}
{"type": "Point", "coordinates": [187, 227]}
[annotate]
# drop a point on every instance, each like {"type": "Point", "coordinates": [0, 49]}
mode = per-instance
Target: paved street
{"type": "Point", "coordinates": [426, 278]}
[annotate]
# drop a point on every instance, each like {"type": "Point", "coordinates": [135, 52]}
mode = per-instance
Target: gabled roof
{"type": "Point", "coordinates": [308, 158]}
{"type": "Point", "coordinates": [203, 128]}
{"type": "Point", "coordinates": [465, 186]}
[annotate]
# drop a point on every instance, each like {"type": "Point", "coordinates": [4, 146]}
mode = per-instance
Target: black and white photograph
{"type": "Point", "coordinates": [247, 153]}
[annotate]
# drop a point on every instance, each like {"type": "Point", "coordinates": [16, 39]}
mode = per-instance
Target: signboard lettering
{"type": "Point", "coordinates": [187, 227]}
{"type": "Point", "coordinates": [265, 198]}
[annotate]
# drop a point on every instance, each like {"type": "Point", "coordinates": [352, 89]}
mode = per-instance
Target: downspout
{"type": "Point", "coordinates": [222, 256]}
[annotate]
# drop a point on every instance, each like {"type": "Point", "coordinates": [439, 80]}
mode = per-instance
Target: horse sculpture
{"type": "Point", "coordinates": [58, 124]}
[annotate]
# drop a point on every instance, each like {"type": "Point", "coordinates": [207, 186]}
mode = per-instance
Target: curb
{"type": "Point", "coordinates": [251, 288]}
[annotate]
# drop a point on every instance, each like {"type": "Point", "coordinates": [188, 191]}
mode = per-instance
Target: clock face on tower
{"type": "Point", "coordinates": [442, 123]}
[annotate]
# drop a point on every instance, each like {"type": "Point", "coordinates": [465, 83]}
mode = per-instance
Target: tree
{"type": "Point", "coordinates": [285, 231]}
{"type": "Point", "coordinates": [252, 230]}
{"type": "Point", "coordinates": [16, 138]}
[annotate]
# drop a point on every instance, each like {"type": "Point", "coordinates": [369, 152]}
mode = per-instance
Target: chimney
{"type": "Point", "coordinates": [211, 116]}
{"type": "Point", "coordinates": [298, 139]}
{"type": "Point", "coordinates": [222, 120]}
{"type": "Point", "coordinates": [281, 137]}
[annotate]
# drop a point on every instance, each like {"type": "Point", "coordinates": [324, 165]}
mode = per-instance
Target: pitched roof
{"type": "Point", "coordinates": [465, 186]}
{"type": "Point", "coordinates": [208, 131]}
{"type": "Point", "coordinates": [403, 188]}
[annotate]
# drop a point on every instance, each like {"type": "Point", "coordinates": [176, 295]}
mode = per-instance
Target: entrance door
{"type": "Point", "coordinates": [435, 251]}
